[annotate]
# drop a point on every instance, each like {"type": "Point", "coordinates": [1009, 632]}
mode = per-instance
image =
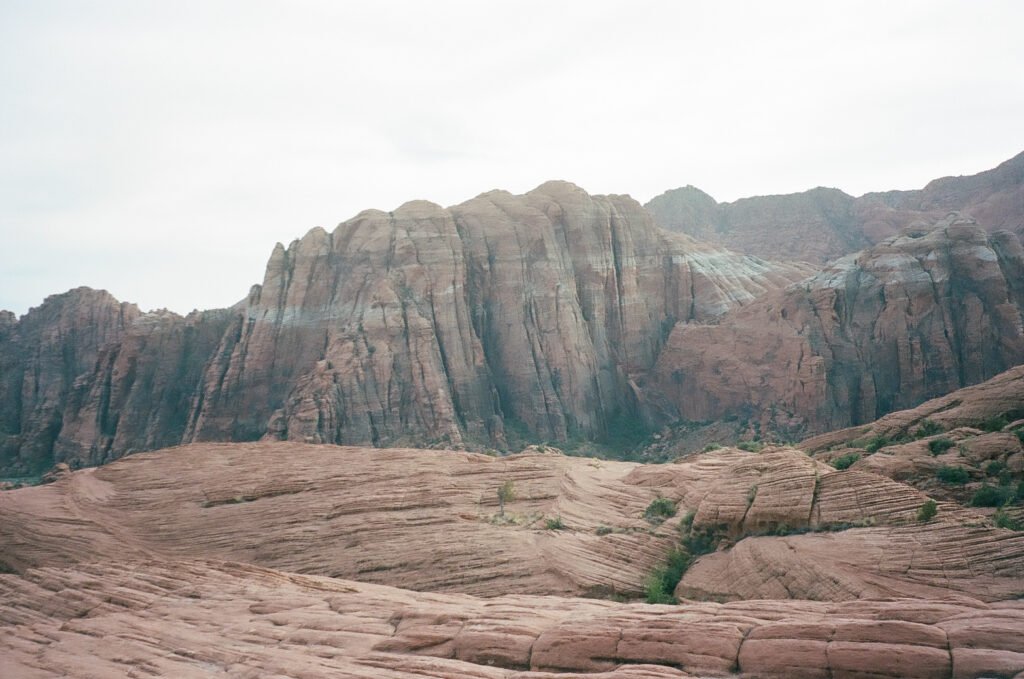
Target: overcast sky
{"type": "Point", "coordinates": [160, 149]}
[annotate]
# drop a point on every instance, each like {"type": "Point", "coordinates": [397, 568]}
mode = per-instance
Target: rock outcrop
{"type": "Point", "coordinates": [40, 357]}
{"type": "Point", "coordinates": [197, 618]}
{"type": "Point", "coordinates": [822, 224]}
{"type": "Point", "coordinates": [212, 557]}
{"type": "Point", "coordinates": [427, 325]}
{"type": "Point", "coordinates": [912, 318]}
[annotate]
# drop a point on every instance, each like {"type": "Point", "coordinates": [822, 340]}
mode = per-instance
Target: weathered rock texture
{"type": "Point", "coordinates": [426, 520]}
{"type": "Point", "coordinates": [40, 358]}
{"type": "Point", "coordinates": [912, 318]}
{"type": "Point", "coordinates": [428, 325]}
{"type": "Point", "coordinates": [157, 563]}
{"type": "Point", "coordinates": [822, 224]}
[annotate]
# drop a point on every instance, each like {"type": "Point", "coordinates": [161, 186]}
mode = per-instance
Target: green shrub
{"type": "Point", "coordinates": [927, 511]}
{"type": "Point", "coordinates": [660, 509]}
{"type": "Point", "coordinates": [554, 524]}
{"type": "Point", "coordinates": [661, 583]}
{"type": "Point", "coordinates": [940, 445]}
{"type": "Point", "coordinates": [750, 446]}
{"type": "Point", "coordinates": [845, 460]}
{"type": "Point", "coordinates": [994, 423]}
{"type": "Point", "coordinates": [992, 496]}
{"type": "Point", "coordinates": [876, 442]}
{"type": "Point", "coordinates": [1020, 434]}
{"type": "Point", "coordinates": [953, 475]}
{"type": "Point", "coordinates": [928, 428]}
{"type": "Point", "coordinates": [687, 521]}
{"type": "Point", "coordinates": [701, 541]}
{"type": "Point", "coordinates": [709, 447]}
{"type": "Point", "coordinates": [604, 530]}
{"type": "Point", "coordinates": [1004, 520]}
{"type": "Point", "coordinates": [994, 467]}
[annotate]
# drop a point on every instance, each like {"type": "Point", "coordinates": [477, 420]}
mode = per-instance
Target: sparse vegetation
{"type": "Point", "coordinates": [875, 443]}
{"type": "Point", "coordinates": [940, 445]}
{"type": "Point", "coordinates": [994, 424]}
{"type": "Point", "coordinates": [554, 524]}
{"type": "Point", "coordinates": [751, 494]}
{"type": "Point", "coordinates": [994, 467]}
{"type": "Point", "coordinates": [506, 493]}
{"type": "Point", "coordinates": [927, 511]}
{"type": "Point", "coordinates": [1020, 433]}
{"type": "Point", "coordinates": [845, 461]}
{"type": "Point", "coordinates": [661, 583]}
{"type": "Point", "coordinates": [660, 509]}
{"type": "Point", "coordinates": [928, 428]}
{"type": "Point", "coordinates": [952, 474]}
{"type": "Point", "coordinates": [1003, 520]}
{"type": "Point", "coordinates": [993, 496]}
{"type": "Point", "coordinates": [750, 446]}
{"type": "Point", "coordinates": [604, 530]}
{"type": "Point", "coordinates": [714, 446]}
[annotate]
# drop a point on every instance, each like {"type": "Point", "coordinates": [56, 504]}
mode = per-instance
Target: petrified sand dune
{"type": "Point", "coordinates": [197, 618]}
{"type": "Point", "coordinates": [425, 520]}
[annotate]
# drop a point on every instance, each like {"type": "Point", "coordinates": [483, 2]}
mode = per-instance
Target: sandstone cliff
{"type": "Point", "coordinates": [822, 224]}
{"type": "Point", "coordinates": [427, 325]}
{"type": "Point", "coordinates": [917, 316]}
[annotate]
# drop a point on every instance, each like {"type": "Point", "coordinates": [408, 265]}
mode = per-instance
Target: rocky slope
{"type": "Point", "coordinates": [822, 224]}
{"type": "Point", "coordinates": [917, 316]}
{"type": "Point", "coordinates": [164, 556]}
{"type": "Point", "coordinates": [428, 325]}
{"type": "Point", "coordinates": [194, 619]}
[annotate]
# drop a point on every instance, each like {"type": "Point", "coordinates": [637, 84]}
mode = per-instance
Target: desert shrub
{"type": "Point", "coordinates": [992, 496]}
{"type": "Point", "coordinates": [687, 521]}
{"type": "Point", "coordinates": [604, 530]}
{"type": "Point", "coordinates": [928, 428]}
{"type": "Point", "coordinates": [701, 541]}
{"type": "Point", "coordinates": [750, 446]}
{"type": "Point", "coordinates": [845, 461]}
{"type": "Point", "coordinates": [1020, 434]}
{"type": "Point", "coordinates": [1003, 520]}
{"type": "Point", "coordinates": [953, 475]}
{"type": "Point", "coordinates": [661, 583]}
{"type": "Point", "coordinates": [660, 509]}
{"type": "Point", "coordinates": [994, 423]}
{"type": "Point", "coordinates": [554, 524]}
{"type": "Point", "coordinates": [711, 446]}
{"type": "Point", "coordinates": [940, 445]}
{"type": "Point", "coordinates": [506, 493]}
{"type": "Point", "coordinates": [927, 511]}
{"type": "Point", "coordinates": [994, 467]}
{"type": "Point", "coordinates": [876, 442]}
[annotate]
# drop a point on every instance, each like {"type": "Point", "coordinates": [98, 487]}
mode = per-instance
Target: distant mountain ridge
{"type": "Point", "coordinates": [823, 224]}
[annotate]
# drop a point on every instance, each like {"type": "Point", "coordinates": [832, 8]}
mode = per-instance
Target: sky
{"type": "Point", "coordinates": [159, 150]}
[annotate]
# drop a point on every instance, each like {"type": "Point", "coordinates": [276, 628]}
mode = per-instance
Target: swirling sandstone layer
{"type": "Point", "coordinates": [915, 317]}
{"type": "Point", "coordinates": [427, 325]}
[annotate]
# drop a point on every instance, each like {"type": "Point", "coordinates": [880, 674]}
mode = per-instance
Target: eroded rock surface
{"type": "Point", "coordinates": [196, 618]}
{"type": "Point", "coordinates": [907, 320]}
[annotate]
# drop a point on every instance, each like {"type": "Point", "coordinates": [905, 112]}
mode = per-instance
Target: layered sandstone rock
{"type": "Point", "coordinates": [912, 318]}
{"type": "Point", "coordinates": [428, 520]}
{"type": "Point", "coordinates": [822, 224]}
{"type": "Point", "coordinates": [40, 357]}
{"type": "Point", "coordinates": [194, 618]}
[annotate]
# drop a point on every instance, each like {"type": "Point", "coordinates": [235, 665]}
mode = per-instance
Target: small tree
{"type": "Point", "coordinates": [506, 493]}
{"type": "Point", "coordinates": [927, 511]}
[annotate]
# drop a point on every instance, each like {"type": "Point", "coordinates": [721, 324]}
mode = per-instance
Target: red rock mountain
{"type": "Point", "coordinates": [915, 317]}
{"type": "Point", "coordinates": [822, 224]}
{"type": "Point", "coordinates": [425, 325]}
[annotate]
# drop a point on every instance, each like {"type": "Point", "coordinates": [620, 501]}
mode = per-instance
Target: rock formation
{"type": "Point", "coordinates": [822, 224]}
{"type": "Point", "coordinates": [212, 557]}
{"type": "Point", "coordinates": [423, 325]}
{"type": "Point", "coordinates": [917, 316]}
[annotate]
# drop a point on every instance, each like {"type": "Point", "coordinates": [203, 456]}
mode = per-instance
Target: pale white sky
{"type": "Point", "coordinates": [160, 149]}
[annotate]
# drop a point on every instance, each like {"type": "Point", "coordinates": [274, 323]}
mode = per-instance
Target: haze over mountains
{"type": "Point", "coordinates": [554, 313]}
